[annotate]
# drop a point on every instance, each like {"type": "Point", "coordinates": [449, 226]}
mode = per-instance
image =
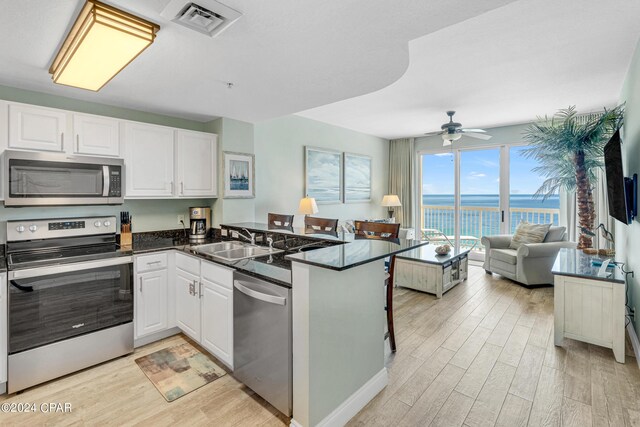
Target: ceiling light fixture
{"type": "Point", "coordinates": [102, 41]}
{"type": "Point", "coordinates": [451, 136]}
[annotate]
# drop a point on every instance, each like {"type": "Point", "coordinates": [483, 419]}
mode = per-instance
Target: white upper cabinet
{"type": "Point", "coordinates": [196, 164]}
{"type": "Point", "coordinates": [36, 128]}
{"type": "Point", "coordinates": [96, 135]}
{"type": "Point", "coordinates": [148, 160]}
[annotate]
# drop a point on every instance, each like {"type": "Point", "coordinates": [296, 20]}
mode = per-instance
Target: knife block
{"type": "Point", "coordinates": [125, 235]}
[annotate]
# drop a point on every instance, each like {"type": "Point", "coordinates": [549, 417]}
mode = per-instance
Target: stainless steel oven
{"type": "Point", "coordinates": [35, 179]}
{"type": "Point", "coordinates": [70, 299]}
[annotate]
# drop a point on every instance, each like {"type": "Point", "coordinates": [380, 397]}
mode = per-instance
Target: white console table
{"type": "Point", "coordinates": [588, 307]}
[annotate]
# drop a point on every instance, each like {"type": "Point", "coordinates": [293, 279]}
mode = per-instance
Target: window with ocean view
{"type": "Point", "coordinates": [480, 199]}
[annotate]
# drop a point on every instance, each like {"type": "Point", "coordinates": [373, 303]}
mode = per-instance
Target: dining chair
{"type": "Point", "coordinates": [276, 221]}
{"type": "Point", "coordinates": [383, 231]}
{"type": "Point", "coordinates": [313, 225]}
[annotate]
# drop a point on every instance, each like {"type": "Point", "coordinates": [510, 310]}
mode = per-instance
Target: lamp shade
{"type": "Point", "coordinates": [308, 206]}
{"type": "Point", "coordinates": [390, 200]}
{"type": "Point", "coordinates": [102, 41]}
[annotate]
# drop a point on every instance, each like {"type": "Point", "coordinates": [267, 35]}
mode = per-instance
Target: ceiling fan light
{"type": "Point", "coordinates": [102, 41]}
{"type": "Point", "coordinates": [451, 136]}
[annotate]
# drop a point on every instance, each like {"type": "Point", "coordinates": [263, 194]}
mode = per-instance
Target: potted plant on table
{"type": "Point", "coordinates": [569, 150]}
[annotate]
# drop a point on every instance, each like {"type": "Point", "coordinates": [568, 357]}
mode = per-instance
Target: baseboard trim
{"type": "Point", "coordinates": [294, 423]}
{"type": "Point", "coordinates": [634, 341]}
{"type": "Point", "coordinates": [358, 400]}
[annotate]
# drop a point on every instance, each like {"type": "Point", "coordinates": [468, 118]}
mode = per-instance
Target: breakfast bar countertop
{"type": "Point", "coordinates": [360, 250]}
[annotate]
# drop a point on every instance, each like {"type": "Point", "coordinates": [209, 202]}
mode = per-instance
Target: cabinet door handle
{"type": "Point", "coordinates": [77, 143]}
{"type": "Point", "coordinates": [182, 188]}
{"type": "Point", "coordinates": [62, 138]}
{"type": "Point", "coordinates": [141, 284]}
{"type": "Point", "coordinates": [200, 289]}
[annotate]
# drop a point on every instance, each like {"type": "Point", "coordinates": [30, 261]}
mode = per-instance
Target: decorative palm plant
{"type": "Point", "coordinates": [569, 150]}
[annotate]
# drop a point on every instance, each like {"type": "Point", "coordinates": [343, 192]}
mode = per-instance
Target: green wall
{"type": "Point", "coordinates": [279, 149]}
{"type": "Point", "coordinates": [628, 237]}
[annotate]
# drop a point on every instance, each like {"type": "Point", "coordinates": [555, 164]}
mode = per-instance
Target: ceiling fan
{"type": "Point", "coordinates": [452, 131]}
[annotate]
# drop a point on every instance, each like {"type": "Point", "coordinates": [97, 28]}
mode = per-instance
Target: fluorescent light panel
{"type": "Point", "coordinates": [102, 41]}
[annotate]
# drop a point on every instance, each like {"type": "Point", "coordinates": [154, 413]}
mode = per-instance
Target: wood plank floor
{"type": "Point", "coordinates": [482, 355]}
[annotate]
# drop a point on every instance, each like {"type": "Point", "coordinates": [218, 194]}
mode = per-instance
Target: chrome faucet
{"type": "Point", "coordinates": [251, 236]}
{"type": "Point", "coordinates": [270, 242]}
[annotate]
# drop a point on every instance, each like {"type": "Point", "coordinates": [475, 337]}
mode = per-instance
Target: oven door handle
{"type": "Point", "coordinates": [67, 268]}
{"type": "Point", "coordinates": [20, 287]}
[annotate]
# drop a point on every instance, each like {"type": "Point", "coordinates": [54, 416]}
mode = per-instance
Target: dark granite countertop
{"type": "Point", "coordinates": [274, 267]}
{"type": "Point", "coordinates": [428, 255]}
{"type": "Point", "coordinates": [357, 252]}
{"type": "Point", "coordinates": [575, 263]}
{"type": "Point", "coordinates": [293, 231]}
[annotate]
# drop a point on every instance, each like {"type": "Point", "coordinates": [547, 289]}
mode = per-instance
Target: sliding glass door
{"type": "Point", "coordinates": [467, 194]}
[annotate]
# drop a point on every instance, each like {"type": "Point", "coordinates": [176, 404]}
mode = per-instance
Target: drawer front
{"type": "Point", "coordinates": [151, 262]}
{"type": "Point", "coordinates": [188, 264]}
{"type": "Point", "coordinates": [217, 274]}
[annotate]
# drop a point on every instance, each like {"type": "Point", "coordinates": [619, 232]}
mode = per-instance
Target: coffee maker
{"type": "Point", "coordinates": [199, 224]}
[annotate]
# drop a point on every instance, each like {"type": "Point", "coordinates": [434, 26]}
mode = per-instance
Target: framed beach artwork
{"type": "Point", "coordinates": [239, 176]}
{"type": "Point", "coordinates": [323, 175]}
{"type": "Point", "coordinates": [357, 178]}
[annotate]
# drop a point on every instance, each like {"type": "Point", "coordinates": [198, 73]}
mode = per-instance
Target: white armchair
{"type": "Point", "coordinates": [531, 263]}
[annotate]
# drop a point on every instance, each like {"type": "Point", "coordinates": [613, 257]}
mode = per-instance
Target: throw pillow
{"type": "Point", "coordinates": [529, 233]}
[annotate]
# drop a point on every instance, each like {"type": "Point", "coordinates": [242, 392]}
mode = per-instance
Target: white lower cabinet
{"type": "Point", "coordinates": [217, 320]}
{"type": "Point", "coordinates": [3, 328]}
{"type": "Point", "coordinates": [204, 304]}
{"type": "Point", "coordinates": [188, 303]}
{"type": "Point", "coordinates": [151, 299]}
{"type": "Point", "coordinates": [151, 292]}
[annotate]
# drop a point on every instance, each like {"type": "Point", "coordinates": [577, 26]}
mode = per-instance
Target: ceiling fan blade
{"type": "Point", "coordinates": [477, 135]}
{"type": "Point", "coordinates": [474, 130]}
{"type": "Point", "coordinates": [433, 133]}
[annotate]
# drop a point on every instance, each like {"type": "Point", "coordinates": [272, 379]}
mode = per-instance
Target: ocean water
{"type": "Point", "coordinates": [478, 223]}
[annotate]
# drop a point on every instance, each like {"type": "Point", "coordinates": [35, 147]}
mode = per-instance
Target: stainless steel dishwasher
{"type": "Point", "coordinates": [262, 339]}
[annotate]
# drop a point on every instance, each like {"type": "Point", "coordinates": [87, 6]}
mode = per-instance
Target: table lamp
{"type": "Point", "coordinates": [308, 206]}
{"type": "Point", "coordinates": [391, 201]}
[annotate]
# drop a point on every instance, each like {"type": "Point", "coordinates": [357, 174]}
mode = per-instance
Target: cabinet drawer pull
{"type": "Point", "coordinates": [153, 262]}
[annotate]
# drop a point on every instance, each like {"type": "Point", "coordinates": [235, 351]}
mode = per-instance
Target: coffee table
{"type": "Point", "coordinates": [424, 270]}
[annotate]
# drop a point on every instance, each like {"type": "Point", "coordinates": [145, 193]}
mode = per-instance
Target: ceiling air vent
{"type": "Point", "coordinates": [207, 16]}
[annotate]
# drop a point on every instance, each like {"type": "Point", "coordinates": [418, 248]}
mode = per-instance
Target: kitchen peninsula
{"type": "Point", "coordinates": [338, 320]}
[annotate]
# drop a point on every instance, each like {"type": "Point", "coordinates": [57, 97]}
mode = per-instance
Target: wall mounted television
{"type": "Point", "coordinates": [622, 192]}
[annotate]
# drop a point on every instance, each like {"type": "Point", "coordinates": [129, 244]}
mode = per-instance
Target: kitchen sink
{"type": "Point", "coordinates": [233, 251]}
{"type": "Point", "coordinates": [245, 252]}
{"type": "Point", "coordinates": [212, 248]}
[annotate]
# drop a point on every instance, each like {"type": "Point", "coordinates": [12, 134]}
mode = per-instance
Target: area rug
{"type": "Point", "coordinates": [179, 370]}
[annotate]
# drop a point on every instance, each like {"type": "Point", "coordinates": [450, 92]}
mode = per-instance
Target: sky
{"type": "Point", "coordinates": [479, 173]}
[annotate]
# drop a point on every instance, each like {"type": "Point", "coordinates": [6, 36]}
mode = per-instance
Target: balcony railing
{"type": "Point", "coordinates": [478, 221]}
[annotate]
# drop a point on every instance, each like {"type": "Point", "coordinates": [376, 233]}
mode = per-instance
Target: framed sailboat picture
{"type": "Point", "coordinates": [239, 176]}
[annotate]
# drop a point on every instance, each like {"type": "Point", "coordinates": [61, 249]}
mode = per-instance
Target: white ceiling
{"type": "Point", "coordinates": [283, 56]}
{"type": "Point", "coordinates": [509, 65]}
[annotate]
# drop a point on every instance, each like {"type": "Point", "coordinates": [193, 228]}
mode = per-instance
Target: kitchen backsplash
{"type": "Point", "coordinates": [147, 215]}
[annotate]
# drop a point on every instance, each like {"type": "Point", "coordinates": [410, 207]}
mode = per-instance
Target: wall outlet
{"type": "Point", "coordinates": [234, 234]}
{"type": "Point", "coordinates": [180, 219]}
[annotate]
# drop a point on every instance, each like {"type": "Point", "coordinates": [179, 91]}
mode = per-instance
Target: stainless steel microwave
{"type": "Point", "coordinates": [56, 179]}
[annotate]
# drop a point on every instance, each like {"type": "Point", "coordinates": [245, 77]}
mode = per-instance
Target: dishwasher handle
{"type": "Point", "coordinates": [245, 289]}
